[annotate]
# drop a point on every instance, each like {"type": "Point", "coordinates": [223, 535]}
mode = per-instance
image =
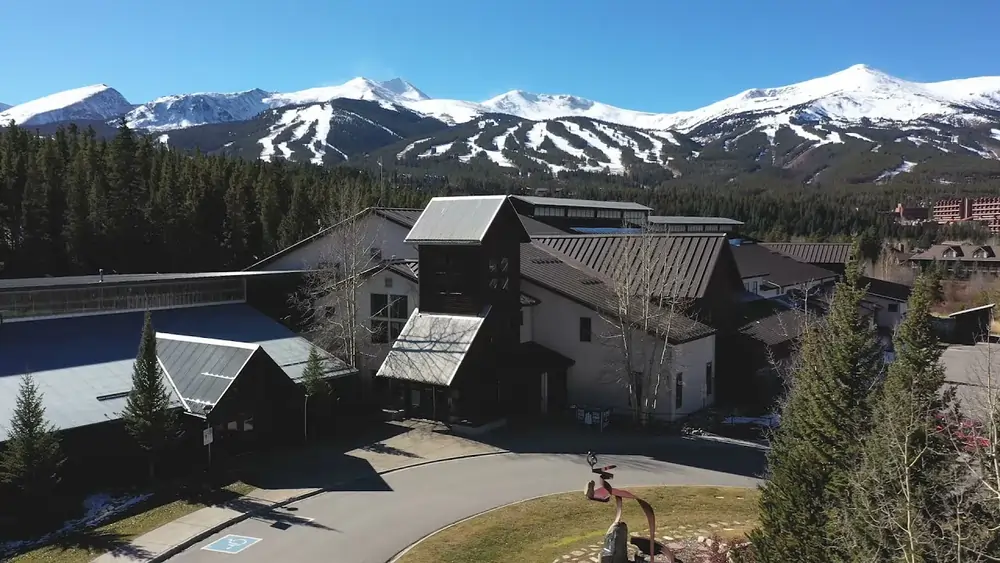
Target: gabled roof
{"type": "Point", "coordinates": [590, 203]}
{"type": "Point", "coordinates": [887, 289]}
{"type": "Point", "coordinates": [771, 323]}
{"type": "Point", "coordinates": [781, 270]}
{"type": "Point", "coordinates": [83, 365]}
{"type": "Point", "coordinates": [688, 220]}
{"type": "Point", "coordinates": [546, 268]}
{"type": "Point", "coordinates": [431, 347]}
{"type": "Point", "coordinates": [813, 252]}
{"type": "Point", "coordinates": [536, 228]}
{"type": "Point", "coordinates": [961, 252]}
{"type": "Point", "coordinates": [687, 260]}
{"type": "Point", "coordinates": [402, 217]}
{"type": "Point", "coordinates": [201, 370]}
{"type": "Point", "coordinates": [460, 220]}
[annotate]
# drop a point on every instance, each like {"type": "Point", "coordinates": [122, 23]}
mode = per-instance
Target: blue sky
{"type": "Point", "coordinates": [654, 55]}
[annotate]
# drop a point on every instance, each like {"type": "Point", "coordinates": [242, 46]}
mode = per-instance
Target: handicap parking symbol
{"type": "Point", "coordinates": [231, 544]}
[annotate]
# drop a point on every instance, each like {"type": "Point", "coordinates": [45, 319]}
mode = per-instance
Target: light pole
{"type": "Point", "coordinates": [211, 438]}
{"type": "Point", "coordinates": [305, 417]}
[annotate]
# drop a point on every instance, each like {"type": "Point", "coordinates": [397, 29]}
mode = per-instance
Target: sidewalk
{"type": "Point", "coordinates": [417, 443]}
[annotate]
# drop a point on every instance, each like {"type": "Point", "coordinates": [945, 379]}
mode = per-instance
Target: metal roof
{"type": "Point", "coordinates": [458, 220]}
{"type": "Point", "coordinates": [546, 268]}
{"type": "Point", "coordinates": [536, 228]}
{"type": "Point", "coordinates": [887, 289]}
{"type": "Point", "coordinates": [813, 252]}
{"type": "Point", "coordinates": [591, 203]}
{"type": "Point", "coordinates": [55, 282]}
{"type": "Point", "coordinates": [77, 360]}
{"type": "Point", "coordinates": [686, 220]}
{"type": "Point", "coordinates": [431, 347]}
{"type": "Point", "coordinates": [963, 252]}
{"type": "Point", "coordinates": [772, 323]}
{"type": "Point", "coordinates": [683, 262]}
{"type": "Point", "coordinates": [781, 270]}
{"type": "Point", "coordinates": [201, 370]}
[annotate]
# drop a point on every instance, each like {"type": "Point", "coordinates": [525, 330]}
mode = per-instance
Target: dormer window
{"type": "Point", "coordinates": [983, 252]}
{"type": "Point", "coordinates": [953, 252]}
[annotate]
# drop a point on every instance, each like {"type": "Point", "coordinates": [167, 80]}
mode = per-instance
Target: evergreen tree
{"type": "Point", "coordinates": [296, 224]}
{"type": "Point", "coordinates": [905, 485]}
{"type": "Point", "coordinates": [31, 459]}
{"type": "Point", "coordinates": [312, 377]}
{"type": "Point", "coordinates": [148, 416]}
{"type": "Point", "coordinates": [822, 422]}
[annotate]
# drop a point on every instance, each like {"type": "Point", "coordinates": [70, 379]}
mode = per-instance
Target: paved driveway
{"type": "Point", "coordinates": [383, 515]}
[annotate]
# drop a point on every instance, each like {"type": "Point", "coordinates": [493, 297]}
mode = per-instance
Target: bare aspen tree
{"type": "Point", "coordinates": [646, 308]}
{"type": "Point", "coordinates": [329, 298]}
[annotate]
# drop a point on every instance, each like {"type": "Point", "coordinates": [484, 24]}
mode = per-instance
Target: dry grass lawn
{"type": "Point", "coordinates": [84, 546]}
{"type": "Point", "coordinates": [545, 529]}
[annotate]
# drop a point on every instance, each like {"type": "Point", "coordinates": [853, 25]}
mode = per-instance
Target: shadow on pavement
{"type": "Point", "coordinates": [324, 465]}
{"type": "Point", "coordinates": [564, 438]}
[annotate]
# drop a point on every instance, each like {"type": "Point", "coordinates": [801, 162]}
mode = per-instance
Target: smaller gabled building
{"type": "Point", "coordinates": [769, 273]}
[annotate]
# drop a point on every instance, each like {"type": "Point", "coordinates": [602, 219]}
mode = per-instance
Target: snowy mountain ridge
{"type": "Point", "coordinates": [849, 96]}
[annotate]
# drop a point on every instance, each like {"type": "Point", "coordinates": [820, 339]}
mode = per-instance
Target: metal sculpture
{"type": "Point", "coordinates": [614, 548]}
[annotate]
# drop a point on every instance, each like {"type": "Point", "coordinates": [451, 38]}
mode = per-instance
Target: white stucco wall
{"type": "Point", "coordinates": [596, 379]}
{"type": "Point", "coordinates": [376, 232]}
{"type": "Point", "coordinates": [374, 353]}
{"type": "Point", "coordinates": [884, 318]}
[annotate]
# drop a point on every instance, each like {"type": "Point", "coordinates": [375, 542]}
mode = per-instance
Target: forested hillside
{"type": "Point", "coordinates": [71, 202]}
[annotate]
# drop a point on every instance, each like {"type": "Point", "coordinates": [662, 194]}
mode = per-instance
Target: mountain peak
{"type": "Point", "coordinates": [98, 101]}
{"type": "Point", "coordinates": [404, 89]}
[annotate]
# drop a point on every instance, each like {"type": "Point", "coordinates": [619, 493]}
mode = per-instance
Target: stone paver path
{"type": "Point", "coordinates": [690, 544]}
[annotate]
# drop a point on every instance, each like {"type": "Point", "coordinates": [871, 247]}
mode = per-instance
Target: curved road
{"type": "Point", "coordinates": [381, 517]}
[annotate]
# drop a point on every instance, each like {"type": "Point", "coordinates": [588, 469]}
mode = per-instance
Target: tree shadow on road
{"type": "Point", "coordinates": [561, 438]}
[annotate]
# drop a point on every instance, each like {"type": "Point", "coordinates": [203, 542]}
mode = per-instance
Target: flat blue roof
{"type": "Point", "coordinates": [76, 360]}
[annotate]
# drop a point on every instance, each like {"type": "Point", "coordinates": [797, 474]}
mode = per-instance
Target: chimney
{"type": "Point", "coordinates": [100, 272]}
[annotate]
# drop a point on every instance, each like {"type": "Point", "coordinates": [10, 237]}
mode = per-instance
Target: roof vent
{"type": "Point", "coordinates": [591, 281]}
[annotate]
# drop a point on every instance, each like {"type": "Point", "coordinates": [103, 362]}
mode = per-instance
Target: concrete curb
{"type": "Point", "coordinates": [174, 550]}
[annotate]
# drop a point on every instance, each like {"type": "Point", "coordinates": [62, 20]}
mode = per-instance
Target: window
{"type": "Point", "coordinates": [550, 212]}
{"type": "Point", "coordinates": [522, 317]}
{"type": "Point", "coordinates": [579, 212]}
{"type": "Point", "coordinates": [388, 316]}
{"type": "Point", "coordinates": [609, 214]}
{"type": "Point", "coordinates": [585, 332]}
{"type": "Point", "coordinates": [679, 391]}
{"type": "Point", "coordinates": [376, 253]}
{"type": "Point", "coordinates": [893, 307]}
{"type": "Point", "coordinates": [709, 378]}
{"type": "Point", "coordinates": [388, 281]}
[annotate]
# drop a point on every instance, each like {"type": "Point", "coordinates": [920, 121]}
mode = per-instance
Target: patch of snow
{"type": "Point", "coordinates": [436, 150]}
{"type": "Point", "coordinates": [97, 508]}
{"type": "Point", "coordinates": [410, 147]}
{"type": "Point", "coordinates": [535, 137]}
{"type": "Point", "coordinates": [995, 133]}
{"type": "Point", "coordinates": [862, 137]}
{"type": "Point", "coordinates": [767, 421]}
{"type": "Point", "coordinates": [876, 148]}
{"type": "Point", "coordinates": [884, 177]}
{"type": "Point", "coordinates": [164, 138]}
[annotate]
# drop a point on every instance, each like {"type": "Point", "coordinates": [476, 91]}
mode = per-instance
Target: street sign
{"type": "Point", "coordinates": [231, 544]}
{"type": "Point", "coordinates": [207, 437]}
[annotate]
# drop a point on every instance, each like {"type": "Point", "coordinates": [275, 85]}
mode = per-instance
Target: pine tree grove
{"type": "Point", "coordinates": [823, 417]}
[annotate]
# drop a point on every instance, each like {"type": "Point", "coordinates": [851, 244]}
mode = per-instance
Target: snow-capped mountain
{"type": "Point", "coordinates": [189, 110]}
{"type": "Point", "coordinates": [80, 104]}
{"type": "Point", "coordinates": [860, 114]}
